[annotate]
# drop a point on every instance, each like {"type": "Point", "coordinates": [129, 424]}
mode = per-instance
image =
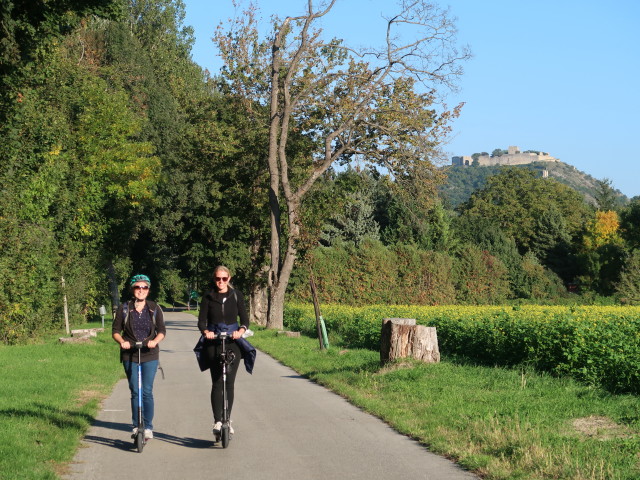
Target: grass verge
{"type": "Point", "coordinates": [500, 423]}
{"type": "Point", "coordinates": [50, 394]}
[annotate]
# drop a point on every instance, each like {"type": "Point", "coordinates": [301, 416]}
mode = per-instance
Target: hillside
{"type": "Point", "coordinates": [462, 181]}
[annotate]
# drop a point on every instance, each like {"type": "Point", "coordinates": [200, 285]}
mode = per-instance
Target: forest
{"type": "Point", "coordinates": [120, 155]}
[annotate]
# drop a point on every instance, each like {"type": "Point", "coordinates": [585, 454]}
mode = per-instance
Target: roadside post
{"type": "Point", "coordinates": [103, 311]}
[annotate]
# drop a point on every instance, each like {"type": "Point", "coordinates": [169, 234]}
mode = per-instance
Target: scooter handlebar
{"type": "Point", "coordinates": [222, 336]}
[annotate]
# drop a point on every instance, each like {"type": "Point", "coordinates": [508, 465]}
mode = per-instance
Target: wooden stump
{"type": "Point", "coordinates": [84, 339]}
{"type": "Point", "coordinates": [91, 332]}
{"type": "Point", "coordinates": [288, 334]}
{"type": "Point", "coordinates": [402, 338]}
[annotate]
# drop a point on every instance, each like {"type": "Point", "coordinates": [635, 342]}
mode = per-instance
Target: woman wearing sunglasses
{"type": "Point", "coordinates": [220, 310]}
{"type": "Point", "coordinates": [140, 320]}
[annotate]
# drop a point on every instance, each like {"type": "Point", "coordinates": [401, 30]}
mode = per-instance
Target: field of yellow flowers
{"type": "Point", "coordinates": [598, 345]}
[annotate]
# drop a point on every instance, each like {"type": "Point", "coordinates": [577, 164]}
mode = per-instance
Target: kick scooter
{"type": "Point", "coordinates": [226, 358]}
{"type": "Point", "coordinates": [138, 439]}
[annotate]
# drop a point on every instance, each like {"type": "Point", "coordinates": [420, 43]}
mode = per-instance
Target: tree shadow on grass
{"type": "Point", "coordinates": [61, 418]}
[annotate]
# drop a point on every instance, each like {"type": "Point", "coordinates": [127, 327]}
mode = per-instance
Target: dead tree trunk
{"type": "Point", "coordinates": [402, 338]}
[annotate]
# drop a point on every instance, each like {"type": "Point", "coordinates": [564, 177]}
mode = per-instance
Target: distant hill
{"type": "Point", "coordinates": [462, 181]}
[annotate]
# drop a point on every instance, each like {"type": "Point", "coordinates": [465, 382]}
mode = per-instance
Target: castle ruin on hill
{"type": "Point", "coordinates": [513, 157]}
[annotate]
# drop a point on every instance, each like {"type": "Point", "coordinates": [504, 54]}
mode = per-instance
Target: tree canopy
{"type": "Point", "coordinates": [121, 156]}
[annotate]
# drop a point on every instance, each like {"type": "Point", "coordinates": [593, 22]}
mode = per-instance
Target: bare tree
{"type": "Point", "coordinates": [378, 106]}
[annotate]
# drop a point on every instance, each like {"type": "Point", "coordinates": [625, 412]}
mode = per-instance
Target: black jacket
{"type": "Point", "coordinates": [214, 310]}
{"type": "Point", "coordinates": [126, 331]}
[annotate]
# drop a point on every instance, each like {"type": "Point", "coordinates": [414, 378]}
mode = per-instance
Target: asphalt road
{"type": "Point", "coordinates": [285, 427]}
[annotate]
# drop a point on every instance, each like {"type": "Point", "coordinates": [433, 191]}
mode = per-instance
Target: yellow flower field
{"type": "Point", "coordinates": [598, 345]}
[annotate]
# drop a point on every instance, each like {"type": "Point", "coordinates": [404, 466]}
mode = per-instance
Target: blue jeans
{"type": "Point", "coordinates": [149, 370]}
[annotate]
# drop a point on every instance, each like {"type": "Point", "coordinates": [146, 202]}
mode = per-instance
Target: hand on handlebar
{"type": "Point", "coordinates": [236, 335]}
{"type": "Point", "coordinates": [210, 335]}
{"type": "Point", "coordinates": [127, 345]}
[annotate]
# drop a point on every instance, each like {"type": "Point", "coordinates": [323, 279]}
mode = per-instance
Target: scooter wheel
{"type": "Point", "coordinates": [224, 434]}
{"type": "Point", "coordinates": [140, 441]}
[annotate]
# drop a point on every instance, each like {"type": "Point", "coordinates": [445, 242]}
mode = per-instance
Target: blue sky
{"type": "Point", "coordinates": [560, 76]}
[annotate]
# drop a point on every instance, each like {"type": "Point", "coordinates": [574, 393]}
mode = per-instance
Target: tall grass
{"type": "Point", "coordinates": [50, 395]}
{"type": "Point", "coordinates": [500, 423]}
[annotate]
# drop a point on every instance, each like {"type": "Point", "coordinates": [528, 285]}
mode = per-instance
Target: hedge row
{"type": "Point", "coordinates": [598, 345]}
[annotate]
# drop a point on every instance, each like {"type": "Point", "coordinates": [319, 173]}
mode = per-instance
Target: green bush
{"type": "Point", "coordinates": [376, 274]}
{"type": "Point", "coordinates": [628, 288]}
{"type": "Point", "coordinates": [597, 345]}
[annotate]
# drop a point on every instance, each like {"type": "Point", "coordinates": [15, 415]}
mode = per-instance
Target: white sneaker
{"type": "Point", "coordinates": [134, 432]}
{"type": "Point", "coordinates": [148, 434]}
{"type": "Point", "coordinates": [216, 428]}
{"type": "Point", "coordinates": [230, 429]}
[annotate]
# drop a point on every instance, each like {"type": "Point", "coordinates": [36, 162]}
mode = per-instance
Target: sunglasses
{"type": "Point", "coordinates": [221, 279]}
{"type": "Point", "coordinates": [141, 287]}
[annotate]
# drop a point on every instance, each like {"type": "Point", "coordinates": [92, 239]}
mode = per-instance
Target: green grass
{"type": "Point", "coordinates": [500, 423]}
{"type": "Point", "coordinates": [50, 394]}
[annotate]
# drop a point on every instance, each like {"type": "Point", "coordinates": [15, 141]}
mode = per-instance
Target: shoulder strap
{"type": "Point", "coordinates": [125, 313]}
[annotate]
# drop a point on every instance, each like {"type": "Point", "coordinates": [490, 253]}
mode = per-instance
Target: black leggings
{"type": "Point", "coordinates": [213, 354]}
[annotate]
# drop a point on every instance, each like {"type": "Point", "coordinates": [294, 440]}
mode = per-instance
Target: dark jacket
{"type": "Point", "coordinates": [218, 308]}
{"type": "Point", "coordinates": [126, 331]}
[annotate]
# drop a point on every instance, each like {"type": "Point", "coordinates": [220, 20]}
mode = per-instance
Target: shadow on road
{"type": "Point", "coordinates": [111, 442]}
{"type": "Point", "coordinates": [126, 444]}
{"type": "Point", "coordinates": [183, 442]}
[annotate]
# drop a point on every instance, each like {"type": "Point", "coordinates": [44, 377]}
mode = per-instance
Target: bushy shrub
{"type": "Point", "coordinates": [481, 278]}
{"type": "Point", "coordinates": [376, 274]}
{"type": "Point", "coordinates": [628, 288]}
{"type": "Point", "coordinates": [594, 344]}
{"type": "Point", "coordinates": [30, 291]}
{"type": "Point", "coordinates": [537, 282]}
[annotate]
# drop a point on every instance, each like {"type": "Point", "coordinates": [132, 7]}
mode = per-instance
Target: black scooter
{"type": "Point", "coordinates": [226, 358]}
{"type": "Point", "coordinates": [138, 439]}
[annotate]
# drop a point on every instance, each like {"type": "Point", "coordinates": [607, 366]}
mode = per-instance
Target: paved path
{"type": "Point", "coordinates": [286, 427]}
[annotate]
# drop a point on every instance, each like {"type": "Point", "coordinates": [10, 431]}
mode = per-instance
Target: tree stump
{"type": "Point", "coordinates": [91, 332]}
{"type": "Point", "coordinates": [84, 339]}
{"type": "Point", "coordinates": [288, 334]}
{"type": "Point", "coordinates": [402, 338]}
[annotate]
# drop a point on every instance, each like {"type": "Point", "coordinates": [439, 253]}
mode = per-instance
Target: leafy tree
{"type": "Point", "coordinates": [537, 282]}
{"type": "Point", "coordinates": [480, 277]}
{"type": "Point", "coordinates": [68, 150]}
{"type": "Point", "coordinates": [628, 288]}
{"type": "Point", "coordinates": [603, 252]}
{"type": "Point", "coordinates": [363, 105]}
{"type": "Point", "coordinates": [517, 199]}
{"type": "Point", "coordinates": [31, 30]}
{"type": "Point", "coordinates": [462, 182]}
{"type": "Point", "coordinates": [487, 235]}
{"type": "Point", "coordinates": [404, 219]}
{"type": "Point", "coordinates": [552, 243]}
{"type": "Point", "coordinates": [528, 278]}
{"type": "Point", "coordinates": [630, 223]}
{"type": "Point", "coordinates": [355, 224]}
{"type": "Point", "coordinates": [606, 197]}
{"type": "Point", "coordinates": [603, 229]}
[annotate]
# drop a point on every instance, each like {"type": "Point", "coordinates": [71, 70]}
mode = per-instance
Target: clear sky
{"type": "Point", "coordinates": [561, 76]}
